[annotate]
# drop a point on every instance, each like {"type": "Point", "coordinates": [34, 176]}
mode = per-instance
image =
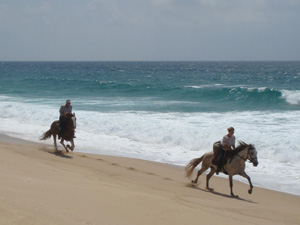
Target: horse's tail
{"type": "Point", "coordinates": [46, 135]}
{"type": "Point", "coordinates": [192, 165]}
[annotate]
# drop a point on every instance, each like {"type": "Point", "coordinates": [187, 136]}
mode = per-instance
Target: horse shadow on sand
{"type": "Point", "coordinates": [218, 193]}
{"type": "Point", "coordinates": [56, 153]}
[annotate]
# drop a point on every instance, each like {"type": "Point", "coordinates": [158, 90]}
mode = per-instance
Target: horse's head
{"type": "Point", "coordinates": [73, 118]}
{"type": "Point", "coordinates": [252, 155]}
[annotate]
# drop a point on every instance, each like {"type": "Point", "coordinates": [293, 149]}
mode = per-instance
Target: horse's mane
{"type": "Point", "coordinates": [69, 115]}
{"type": "Point", "coordinates": [242, 145]}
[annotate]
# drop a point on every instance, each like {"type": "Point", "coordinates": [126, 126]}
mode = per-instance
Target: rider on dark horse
{"type": "Point", "coordinates": [63, 111]}
{"type": "Point", "coordinates": [227, 144]}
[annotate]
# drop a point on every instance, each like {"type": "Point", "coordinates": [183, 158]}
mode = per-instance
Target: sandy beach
{"type": "Point", "coordinates": [41, 187]}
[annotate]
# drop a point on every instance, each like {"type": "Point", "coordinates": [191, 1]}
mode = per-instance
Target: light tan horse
{"type": "Point", "coordinates": [235, 165]}
{"type": "Point", "coordinates": [68, 134]}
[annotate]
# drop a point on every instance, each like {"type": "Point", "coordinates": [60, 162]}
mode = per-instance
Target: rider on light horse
{"type": "Point", "coordinates": [228, 144]}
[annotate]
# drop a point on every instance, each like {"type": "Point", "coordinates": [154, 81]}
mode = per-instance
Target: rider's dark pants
{"type": "Point", "coordinates": [62, 125]}
{"type": "Point", "coordinates": [222, 154]}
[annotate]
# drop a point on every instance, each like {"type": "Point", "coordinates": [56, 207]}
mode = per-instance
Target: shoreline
{"type": "Point", "coordinates": [4, 138]}
{"type": "Point", "coordinates": [42, 187]}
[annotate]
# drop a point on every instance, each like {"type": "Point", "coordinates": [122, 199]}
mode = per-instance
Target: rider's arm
{"type": "Point", "coordinates": [233, 146]}
{"type": "Point", "coordinates": [227, 148]}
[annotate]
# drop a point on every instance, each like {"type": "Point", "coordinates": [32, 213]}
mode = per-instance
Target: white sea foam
{"type": "Point", "coordinates": [292, 97]}
{"type": "Point", "coordinates": [259, 89]}
{"type": "Point", "coordinates": [204, 86]}
{"type": "Point", "coordinates": [173, 138]}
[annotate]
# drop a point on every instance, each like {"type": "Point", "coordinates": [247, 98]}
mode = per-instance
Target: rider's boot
{"type": "Point", "coordinates": [218, 171]}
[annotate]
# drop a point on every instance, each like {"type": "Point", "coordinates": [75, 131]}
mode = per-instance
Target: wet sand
{"type": "Point", "coordinates": [39, 186]}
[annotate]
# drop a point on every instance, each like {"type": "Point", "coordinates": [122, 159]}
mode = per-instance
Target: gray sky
{"type": "Point", "coordinates": [149, 30]}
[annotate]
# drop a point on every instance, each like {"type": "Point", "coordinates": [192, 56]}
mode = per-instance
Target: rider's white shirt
{"type": "Point", "coordinates": [228, 141]}
{"type": "Point", "coordinates": [63, 109]}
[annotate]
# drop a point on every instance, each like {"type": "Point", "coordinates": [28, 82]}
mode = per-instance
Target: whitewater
{"type": "Point", "coordinates": [168, 120]}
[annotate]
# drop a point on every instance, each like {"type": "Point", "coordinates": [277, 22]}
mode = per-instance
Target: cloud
{"type": "Point", "coordinates": [149, 29]}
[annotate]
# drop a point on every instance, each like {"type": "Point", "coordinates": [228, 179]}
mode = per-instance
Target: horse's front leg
{"type": "Point", "coordinates": [63, 144]}
{"type": "Point", "coordinates": [72, 144]}
{"type": "Point", "coordinates": [71, 147]}
{"type": "Point", "coordinates": [243, 174]}
{"type": "Point", "coordinates": [55, 144]}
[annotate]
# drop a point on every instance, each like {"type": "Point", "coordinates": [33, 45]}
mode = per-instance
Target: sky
{"type": "Point", "coordinates": [149, 30]}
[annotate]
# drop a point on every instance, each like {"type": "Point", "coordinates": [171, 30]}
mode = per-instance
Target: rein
{"type": "Point", "coordinates": [242, 157]}
{"type": "Point", "coordinates": [245, 159]}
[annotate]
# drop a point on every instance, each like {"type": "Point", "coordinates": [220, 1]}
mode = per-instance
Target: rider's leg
{"type": "Point", "coordinates": [216, 149]}
{"type": "Point", "coordinates": [220, 161]}
{"type": "Point", "coordinates": [215, 158]}
{"type": "Point", "coordinates": [61, 126]}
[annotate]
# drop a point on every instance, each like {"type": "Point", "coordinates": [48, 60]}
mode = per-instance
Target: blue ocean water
{"type": "Point", "coordinates": [163, 111]}
{"type": "Point", "coordinates": [158, 86]}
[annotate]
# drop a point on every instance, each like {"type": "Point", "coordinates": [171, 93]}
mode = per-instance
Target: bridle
{"type": "Point", "coordinates": [248, 156]}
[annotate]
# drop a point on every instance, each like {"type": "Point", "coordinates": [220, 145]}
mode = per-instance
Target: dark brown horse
{"type": "Point", "coordinates": [235, 164]}
{"type": "Point", "coordinates": [67, 135]}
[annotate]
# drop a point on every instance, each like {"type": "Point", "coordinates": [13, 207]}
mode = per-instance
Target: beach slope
{"type": "Point", "coordinates": [41, 187]}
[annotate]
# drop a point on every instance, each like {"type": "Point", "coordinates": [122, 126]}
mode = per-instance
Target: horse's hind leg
{"type": "Point", "coordinates": [208, 176]}
{"type": "Point", "coordinates": [198, 174]}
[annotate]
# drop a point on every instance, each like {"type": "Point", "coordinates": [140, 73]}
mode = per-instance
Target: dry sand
{"type": "Point", "coordinates": [41, 187]}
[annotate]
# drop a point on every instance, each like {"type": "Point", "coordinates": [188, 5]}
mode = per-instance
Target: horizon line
{"type": "Point", "coordinates": [149, 60]}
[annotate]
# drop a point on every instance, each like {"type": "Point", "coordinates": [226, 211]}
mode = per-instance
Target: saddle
{"type": "Point", "coordinates": [217, 147]}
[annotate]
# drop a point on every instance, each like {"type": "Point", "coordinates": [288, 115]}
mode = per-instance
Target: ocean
{"type": "Point", "coordinates": [168, 112]}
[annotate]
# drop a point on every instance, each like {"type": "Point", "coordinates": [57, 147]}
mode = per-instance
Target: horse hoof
{"type": "Point", "coordinates": [209, 189]}
{"type": "Point", "coordinates": [250, 191]}
{"type": "Point", "coordinates": [194, 182]}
